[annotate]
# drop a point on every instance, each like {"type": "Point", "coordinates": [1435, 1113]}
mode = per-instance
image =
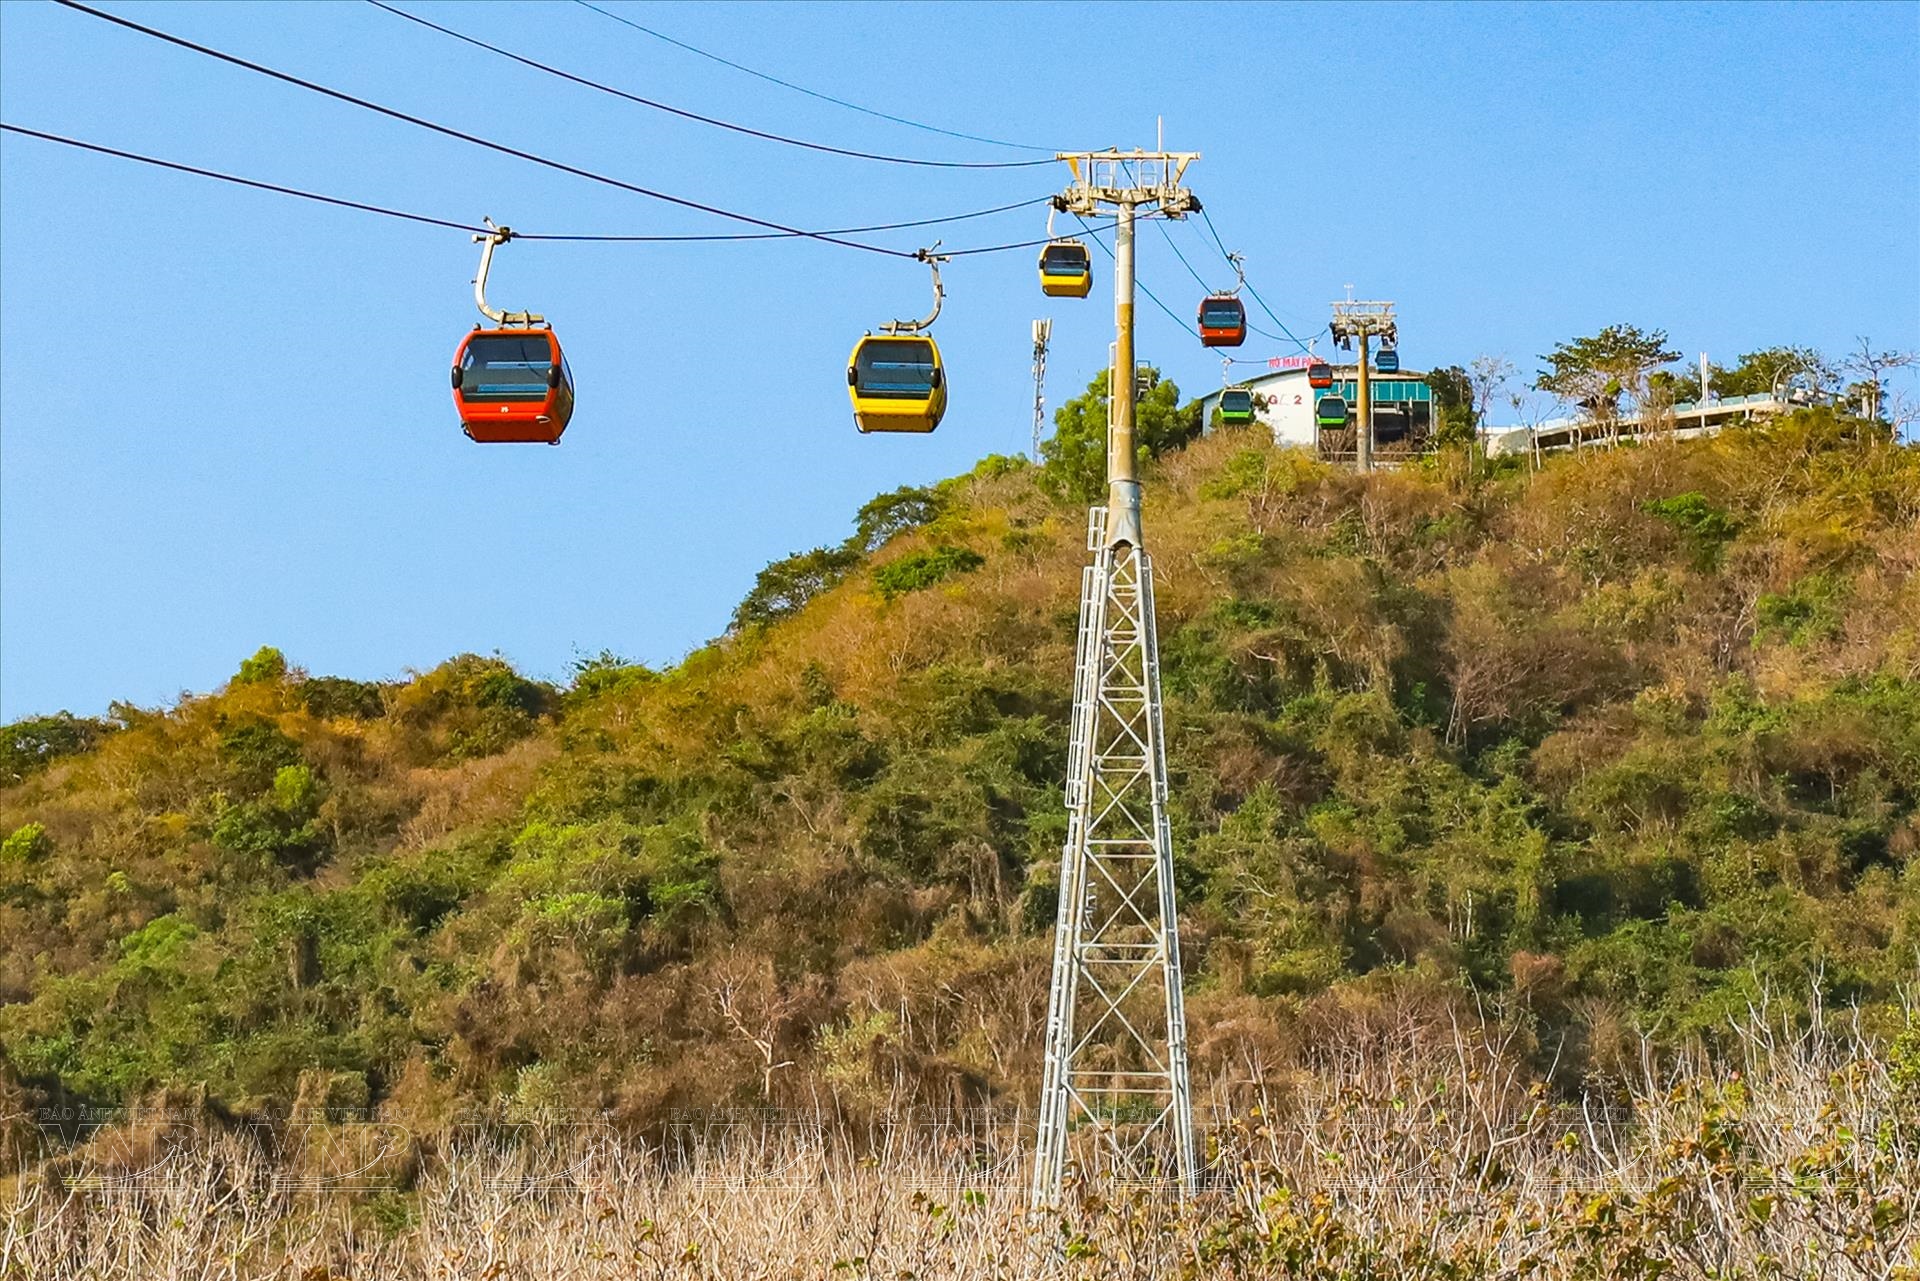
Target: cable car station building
{"type": "Point", "coordinates": [1403, 413]}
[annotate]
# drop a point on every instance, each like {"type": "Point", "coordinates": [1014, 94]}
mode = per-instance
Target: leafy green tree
{"type": "Point", "coordinates": [1453, 402]}
{"type": "Point", "coordinates": [1075, 457]}
{"type": "Point", "coordinates": [253, 750]}
{"type": "Point", "coordinates": [606, 673]}
{"type": "Point", "coordinates": [280, 828]}
{"type": "Point", "coordinates": [266, 666]}
{"type": "Point", "coordinates": [785, 586]}
{"type": "Point", "coordinates": [29, 746]}
{"type": "Point", "coordinates": [887, 515]}
{"type": "Point", "coordinates": [1596, 371]}
{"type": "Point", "coordinates": [1755, 373]}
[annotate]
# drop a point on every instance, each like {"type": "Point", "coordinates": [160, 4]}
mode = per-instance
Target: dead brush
{"type": "Point", "coordinates": [1429, 1156]}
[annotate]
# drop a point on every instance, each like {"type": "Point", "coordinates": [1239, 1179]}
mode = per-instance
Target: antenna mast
{"type": "Point", "coordinates": [1042, 333]}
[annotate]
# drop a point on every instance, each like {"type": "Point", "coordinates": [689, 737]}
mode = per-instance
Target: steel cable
{"type": "Point", "coordinates": [385, 211]}
{"type": "Point", "coordinates": [476, 140]}
{"type": "Point", "coordinates": [811, 93]}
{"type": "Point", "coordinates": [696, 116]}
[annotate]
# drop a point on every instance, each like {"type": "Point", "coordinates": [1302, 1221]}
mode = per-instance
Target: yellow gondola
{"type": "Point", "coordinates": [897, 383]}
{"type": "Point", "coordinates": [1065, 269]}
{"type": "Point", "coordinates": [895, 377]}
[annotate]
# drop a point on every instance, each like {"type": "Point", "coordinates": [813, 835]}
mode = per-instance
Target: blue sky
{"type": "Point", "coordinates": [224, 419]}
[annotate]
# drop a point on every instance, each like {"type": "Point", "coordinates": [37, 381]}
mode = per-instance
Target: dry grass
{"type": "Point", "coordinates": [1392, 1156]}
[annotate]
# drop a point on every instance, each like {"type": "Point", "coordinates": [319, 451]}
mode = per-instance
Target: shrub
{"type": "Point", "coordinates": [279, 829]}
{"type": "Point", "coordinates": [28, 843]}
{"type": "Point", "coordinates": [1704, 528]}
{"type": "Point", "coordinates": [254, 750]}
{"type": "Point", "coordinates": [918, 570]}
{"type": "Point", "coordinates": [1808, 611]}
{"type": "Point", "coordinates": [334, 697]}
{"type": "Point", "coordinates": [470, 707]}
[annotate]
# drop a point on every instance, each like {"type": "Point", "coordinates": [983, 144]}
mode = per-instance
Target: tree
{"type": "Point", "coordinates": [1871, 365]}
{"type": "Point", "coordinates": [1757, 372]}
{"type": "Point", "coordinates": [1488, 376]}
{"type": "Point", "coordinates": [1075, 466]}
{"type": "Point", "coordinates": [266, 666]}
{"type": "Point", "coordinates": [1760, 371]}
{"type": "Point", "coordinates": [785, 586]}
{"type": "Point", "coordinates": [1453, 402]}
{"type": "Point", "coordinates": [1595, 372]}
{"type": "Point", "coordinates": [606, 673]}
{"type": "Point", "coordinates": [885, 515]}
{"type": "Point", "coordinates": [31, 745]}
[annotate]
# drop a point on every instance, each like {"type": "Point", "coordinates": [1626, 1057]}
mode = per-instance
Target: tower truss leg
{"type": "Point", "coordinates": [1116, 1102]}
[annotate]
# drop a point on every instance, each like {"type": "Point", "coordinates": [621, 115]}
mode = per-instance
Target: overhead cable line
{"type": "Point", "coordinates": [1136, 278]}
{"type": "Point", "coordinates": [1198, 279]}
{"type": "Point", "coordinates": [1201, 280]}
{"type": "Point", "coordinates": [1251, 291]}
{"type": "Point", "coordinates": [696, 116]}
{"type": "Point", "coordinates": [1174, 245]}
{"type": "Point", "coordinates": [811, 93]}
{"type": "Point", "coordinates": [788, 235]}
{"type": "Point", "coordinates": [242, 182]}
{"type": "Point", "coordinates": [362, 206]}
{"type": "Point", "coordinates": [475, 139]}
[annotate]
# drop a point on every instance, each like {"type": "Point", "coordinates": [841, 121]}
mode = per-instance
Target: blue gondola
{"type": "Point", "coordinates": [1388, 361]}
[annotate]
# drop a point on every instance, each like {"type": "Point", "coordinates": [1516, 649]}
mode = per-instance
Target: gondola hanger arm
{"type": "Point", "coordinates": [933, 260]}
{"type": "Point", "coordinates": [1056, 205]}
{"type": "Point", "coordinates": [496, 235]}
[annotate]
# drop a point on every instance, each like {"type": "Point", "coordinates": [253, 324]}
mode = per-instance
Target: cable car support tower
{"type": "Point", "coordinates": [1363, 320]}
{"type": "Point", "coordinates": [1116, 1102]}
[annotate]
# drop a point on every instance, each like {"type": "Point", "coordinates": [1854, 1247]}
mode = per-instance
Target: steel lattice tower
{"type": "Point", "coordinates": [1116, 1101]}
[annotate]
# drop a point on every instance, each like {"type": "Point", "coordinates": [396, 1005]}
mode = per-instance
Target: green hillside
{"type": "Point", "coordinates": [1616, 746]}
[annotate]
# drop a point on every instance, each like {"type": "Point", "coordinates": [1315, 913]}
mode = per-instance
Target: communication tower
{"type": "Point", "coordinates": [1042, 333]}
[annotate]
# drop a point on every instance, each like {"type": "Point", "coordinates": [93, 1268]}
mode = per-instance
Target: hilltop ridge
{"type": "Point", "coordinates": [1619, 745]}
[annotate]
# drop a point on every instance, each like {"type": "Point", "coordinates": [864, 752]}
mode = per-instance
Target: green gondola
{"type": "Point", "coordinates": [1236, 406]}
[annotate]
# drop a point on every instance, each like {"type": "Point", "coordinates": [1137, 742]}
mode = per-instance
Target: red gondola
{"type": "Point", "coordinates": [1319, 374]}
{"type": "Point", "coordinates": [512, 386]}
{"type": "Point", "coordinates": [1223, 321]}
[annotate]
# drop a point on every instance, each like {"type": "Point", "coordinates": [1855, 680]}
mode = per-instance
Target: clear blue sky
{"type": "Point", "coordinates": [224, 416]}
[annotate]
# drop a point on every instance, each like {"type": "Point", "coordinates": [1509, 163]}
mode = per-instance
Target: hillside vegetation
{"type": "Point", "coordinates": [1612, 749]}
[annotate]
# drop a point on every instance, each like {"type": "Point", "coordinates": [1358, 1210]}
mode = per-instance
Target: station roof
{"type": "Point", "coordinates": [1341, 373]}
{"type": "Point", "coordinates": [1347, 371]}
